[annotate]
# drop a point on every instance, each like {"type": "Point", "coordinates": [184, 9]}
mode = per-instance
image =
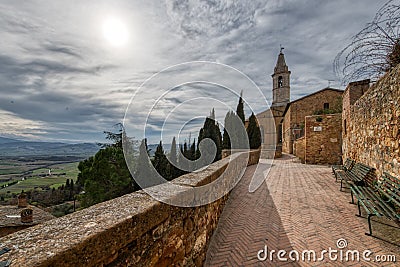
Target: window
{"type": "Point", "coordinates": [280, 81]}
{"type": "Point", "coordinates": [326, 105]}
{"type": "Point", "coordinates": [345, 126]}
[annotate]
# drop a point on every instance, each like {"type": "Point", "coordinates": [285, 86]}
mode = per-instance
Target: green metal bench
{"type": "Point", "coordinates": [381, 199]}
{"type": "Point", "coordinates": [347, 166]}
{"type": "Point", "coordinates": [357, 175]}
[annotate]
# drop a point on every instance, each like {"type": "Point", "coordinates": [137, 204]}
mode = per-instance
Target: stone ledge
{"type": "Point", "coordinates": [133, 230]}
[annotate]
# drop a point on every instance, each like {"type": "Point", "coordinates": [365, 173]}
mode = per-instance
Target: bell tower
{"type": "Point", "coordinates": [281, 82]}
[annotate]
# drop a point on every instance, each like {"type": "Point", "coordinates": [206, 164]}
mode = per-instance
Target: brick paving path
{"type": "Point", "coordinates": [299, 207]}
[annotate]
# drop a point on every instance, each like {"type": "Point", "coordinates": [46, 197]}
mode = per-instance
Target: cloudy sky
{"type": "Point", "coordinates": [69, 69]}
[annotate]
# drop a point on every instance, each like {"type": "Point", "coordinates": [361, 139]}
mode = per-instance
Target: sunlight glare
{"type": "Point", "coordinates": [115, 31]}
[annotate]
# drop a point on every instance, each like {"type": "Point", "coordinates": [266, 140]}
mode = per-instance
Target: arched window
{"type": "Point", "coordinates": [280, 81]}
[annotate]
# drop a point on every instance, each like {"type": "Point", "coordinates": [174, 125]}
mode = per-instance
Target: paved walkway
{"type": "Point", "coordinates": [299, 207]}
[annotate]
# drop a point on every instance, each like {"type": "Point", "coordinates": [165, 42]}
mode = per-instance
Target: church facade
{"type": "Point", "coordinates": [283, 123]}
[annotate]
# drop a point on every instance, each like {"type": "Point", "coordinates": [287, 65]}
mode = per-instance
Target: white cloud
{"type": "Point", "coordinates": [57, 68]}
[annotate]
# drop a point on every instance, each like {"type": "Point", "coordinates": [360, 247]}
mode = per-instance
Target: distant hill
{"type": "Point", "coordinates": [17, 148]}
{"type": "Point", "coordinates": [4, 140]}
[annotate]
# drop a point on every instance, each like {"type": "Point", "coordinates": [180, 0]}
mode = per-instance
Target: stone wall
{"type": "Point", "coordinates": [352, 93]}
{"type": "Point", "coordinates": [372, 136]}
{"type": "Point", "coordinates": [294, 118]}
{"type": "Point", "coordinates": [299, 149]}
{"type": "Point", "coordinates": [323, 135]}
{"type": "Point", "coordinates": [286, 134]}
{"type": "Point", "coordinates": [132, 230]}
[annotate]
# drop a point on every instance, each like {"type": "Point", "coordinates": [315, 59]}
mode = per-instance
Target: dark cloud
{"type": "Point", "coordinates": [63, 50]}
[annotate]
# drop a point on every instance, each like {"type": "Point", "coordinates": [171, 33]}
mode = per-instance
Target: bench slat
{"type": "Point", "coordinates": [390, 188]}
{"type": "Point", "coordinates": [369, 196]}
{"type": "Point", "coordinates": [381, 206]}
{"type": "Point", "coordinates": [370, 209]}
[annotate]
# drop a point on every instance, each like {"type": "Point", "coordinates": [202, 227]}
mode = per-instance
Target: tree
{"type": "Point", "coordinates": [106, 175]}
{"type": "Point", "coordinates": [145, 174]}
{"type": "Point", "coordinates": [192, 151]}
{"type": "Point", "coordinates": [235, 135]}
{"type": "Point", "coordinates": [211, 130]}
{"type": "Point", "coordinates": [240, 109]}
{"type": "Point", "coordinates": [173, 161]}
{"type": "Point", "coordinates": [226, 143]}
{"type": "Point", "coordinates": [254, 133]}
{"type": "Point", "coordinates": [114, 137]}
{"type": "Point", "coordinates": [374, 50]}
{"type": "Point", "coordinates": [185, 150]}
{"type": "Point", "coordinates": [393, 58]}
{"type": "Point", "coordinates": [182, 161]}
{"type": "Point", "coordinates": [160, 162]}
{"type": "Point", "coordinates": [172, 154]}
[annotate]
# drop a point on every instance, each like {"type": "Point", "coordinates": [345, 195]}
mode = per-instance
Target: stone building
{"type": "Point", "coordinates": [270, 120]}
{"type": "Point", "coordinates": [327, 100]}
{"type": "Point", "coordinates": [14, 218]}
{"type": "Point", "coordinates": [284, 122]}
{"type": "Point", "coordinates": [321, 143]}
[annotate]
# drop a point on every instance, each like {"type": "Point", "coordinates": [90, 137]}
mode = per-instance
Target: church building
{"type": "Point", "coordinates": [284, 122]}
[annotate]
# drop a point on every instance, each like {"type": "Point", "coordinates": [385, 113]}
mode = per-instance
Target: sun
{"type": "Point", "coordinates": [115, 31]}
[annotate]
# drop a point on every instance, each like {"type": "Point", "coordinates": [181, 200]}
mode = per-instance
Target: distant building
{"type": "Point", "coordinates": [18, 217]}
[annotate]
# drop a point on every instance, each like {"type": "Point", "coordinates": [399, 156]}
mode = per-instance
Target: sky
{"type": "Point", "coordinates": [70, 70]}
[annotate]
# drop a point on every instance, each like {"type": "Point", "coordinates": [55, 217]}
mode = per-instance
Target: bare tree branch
{"type": "Point", "coordinates": [374, 50]}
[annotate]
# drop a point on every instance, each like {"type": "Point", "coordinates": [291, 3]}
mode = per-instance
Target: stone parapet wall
{"type": "Point", "coordinates": [132, 230]}
{"type": "Point", "coordinates": [323, 135]}
{"type": "Point", "coordinates": [372, 136]}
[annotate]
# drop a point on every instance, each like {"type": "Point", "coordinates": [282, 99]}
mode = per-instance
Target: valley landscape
{"type": "Point", "coordinates": [26, 165]}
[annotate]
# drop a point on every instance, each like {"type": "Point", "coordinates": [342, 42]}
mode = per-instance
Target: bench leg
{"type": "Point", "coordinates": [359, 209]}
{"type": "Point", "coordinates": [352, 198]}
{"type": "Point", "coordinates": [341, 184]}
{"type": "Point", "coordinates": [369, 225]}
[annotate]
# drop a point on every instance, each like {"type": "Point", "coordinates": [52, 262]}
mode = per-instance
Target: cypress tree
{"type": "Point", "coordinates": [192, 152]}
{"type": "Point", "coordinates": [160, 162]}
{"type": "Point", "coordinates": [211, 130]}
{"type": "Point", "coordinates": [226, 143]}
{"type": "Point", "coordinates": [181, 161]}
{"type": "Point", "coordinates": [173, 161]}
{"type": "Point", "coordinates": [254, 133]}
{"type": "Point", "coordinates": [144, 169]}
{"type": "Point", "coordinates": [185, 150]}
{"type": "Point", "coordinates": [240, 109]}
{"type": "Point", "coordinates": [172, 154]}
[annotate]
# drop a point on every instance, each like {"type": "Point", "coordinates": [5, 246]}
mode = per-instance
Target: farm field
{"type": "Point", "coordinates": [35, 175]}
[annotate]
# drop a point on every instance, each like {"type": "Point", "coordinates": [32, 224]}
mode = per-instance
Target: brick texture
{"type": "Point", "coordinates": [298, 207]}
